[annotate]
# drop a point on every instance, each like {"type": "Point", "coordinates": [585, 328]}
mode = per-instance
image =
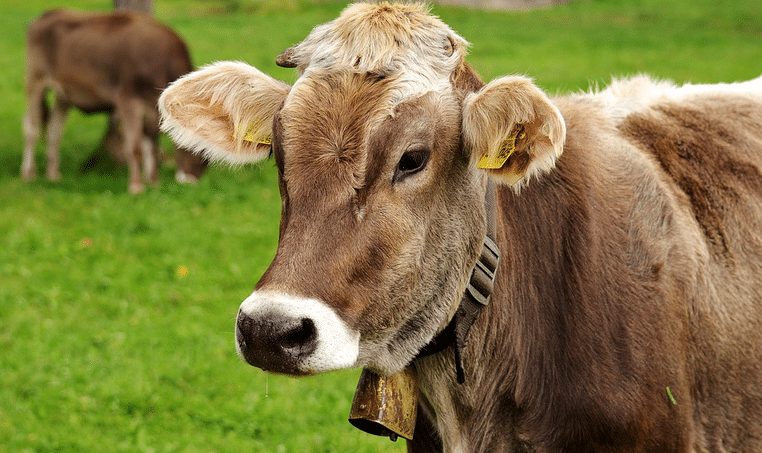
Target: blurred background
{"type": "Point", "coordinates": [116, 311]}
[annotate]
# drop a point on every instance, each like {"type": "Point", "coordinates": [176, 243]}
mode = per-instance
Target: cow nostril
{"type": "Point", "coordinates": [243, 329]}
{"type": "Point", "coordinates": [300, 336]}
{"type": "Point", "coordinates": [275, 342]}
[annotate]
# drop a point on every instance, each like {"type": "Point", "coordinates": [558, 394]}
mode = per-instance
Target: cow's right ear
{"type": "Point", "coordinates": [513, 130]}
{"type": "Point", "coordinates": [224, 110]}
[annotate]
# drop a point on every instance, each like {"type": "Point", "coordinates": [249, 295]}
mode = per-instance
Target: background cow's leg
{"type": "Point", "coordinates": [55, 130]}
{"type": "Point", "coordinates": [110, 152]}
{"type": "Point", "coordinates": [156, 150]}
{"type": "Point", "coordinates": [131, 116]}
{"type": "Point", "coordinates": [32, 122]}
{"type": "Point", "coordinates": [112, 141]}
{"type": "Point", "coordinates": [150, 146]}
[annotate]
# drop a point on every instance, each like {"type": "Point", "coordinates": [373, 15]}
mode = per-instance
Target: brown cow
{"type": "Point", "coordinates": [627, 310]}
{"type": "Point", "coordinates": [116, 63]}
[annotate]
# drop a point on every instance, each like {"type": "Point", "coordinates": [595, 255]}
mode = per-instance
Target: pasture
{"type": "Point", "coordinates": [116, 312]}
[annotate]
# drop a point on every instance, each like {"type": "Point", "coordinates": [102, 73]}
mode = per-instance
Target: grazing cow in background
{"type": "Point", "coordinates": [627, 308]}
{"type": "Point", "coordinates": [190, 166]}
{"type": "Point", "coordinates": [116, 63]}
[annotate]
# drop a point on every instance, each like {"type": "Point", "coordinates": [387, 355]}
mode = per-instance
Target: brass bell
{"type": "Point", "coordinates": [386, 405]}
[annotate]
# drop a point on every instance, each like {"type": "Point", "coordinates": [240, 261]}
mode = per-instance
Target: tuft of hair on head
{"type": "Point", "coordinates": [380, 37]}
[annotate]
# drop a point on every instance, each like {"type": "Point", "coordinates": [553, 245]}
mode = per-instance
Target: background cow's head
{"type": "Point", "coordinates": [376, 146]}
{"type": "Point", "coordinates": [190, 166]}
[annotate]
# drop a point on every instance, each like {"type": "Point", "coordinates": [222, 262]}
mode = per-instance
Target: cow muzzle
{"type": "Point", "coordinates": [293, 335]}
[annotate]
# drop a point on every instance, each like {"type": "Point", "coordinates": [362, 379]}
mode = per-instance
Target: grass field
{"type": "Point", "coordinates": [116, 312]}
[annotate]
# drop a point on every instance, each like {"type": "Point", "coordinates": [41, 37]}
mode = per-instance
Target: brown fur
{"type": "Point", "coordinates": [699, 151]}
{"type": "Point", "coordinates": [603, 296]}
{"type": "Point", "coordinates": [586, 349]}
{"type": "Point", "coordinates": [116, 63]}
{"type": "Point", "coordinates": [465, 79]}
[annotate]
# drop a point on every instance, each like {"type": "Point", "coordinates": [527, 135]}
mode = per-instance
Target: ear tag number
{"type": "Point", "coordinates": [495, 159]}
{"type": "Point", "coordinates": [249, 137]}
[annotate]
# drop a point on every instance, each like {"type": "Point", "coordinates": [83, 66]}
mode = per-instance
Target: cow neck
{"type": "Point", "coordinates": [477, 294]}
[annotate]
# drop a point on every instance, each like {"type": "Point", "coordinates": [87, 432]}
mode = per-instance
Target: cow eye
{"type": "Point", "coordinates": [411, 162]}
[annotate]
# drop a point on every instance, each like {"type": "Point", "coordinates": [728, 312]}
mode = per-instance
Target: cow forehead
{"type": "Point", "coordinates": [338, 130]}
{"type": "Point", "coordinates": [326, 122]}
{"type": "Point", "coordinates": [401, 39]}
{"type": "Point", "coordinates": [336, 96]}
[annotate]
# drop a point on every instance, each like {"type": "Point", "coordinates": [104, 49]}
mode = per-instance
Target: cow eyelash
{"type": "Point", "coordinates": [410, 163]}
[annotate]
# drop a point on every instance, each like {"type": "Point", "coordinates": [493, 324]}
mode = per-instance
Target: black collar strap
{"type": "Point", "coordinates": [476, 297]}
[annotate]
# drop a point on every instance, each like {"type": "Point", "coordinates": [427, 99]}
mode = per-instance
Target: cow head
{"type": "Point", "coordinates": [190, 166]}
{"type": "Point", "coordinates": [376, 146]}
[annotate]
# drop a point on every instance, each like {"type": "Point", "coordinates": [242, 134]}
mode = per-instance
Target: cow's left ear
{"type": "Point", "coordinates": [512, 130]}
{"type": "Point", "coordinates": [224, 111]}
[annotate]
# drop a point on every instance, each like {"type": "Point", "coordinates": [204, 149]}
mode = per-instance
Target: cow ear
{"type": "Point", "coordinates": [224, 111]}
{"type": "Point", "coordinates": [512, 130]}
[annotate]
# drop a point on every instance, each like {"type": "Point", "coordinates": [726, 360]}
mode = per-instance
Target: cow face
{"type": "Point", "coordinates": [383, 205]}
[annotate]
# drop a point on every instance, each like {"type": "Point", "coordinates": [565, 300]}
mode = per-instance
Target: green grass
{"type": "Point", "coordinates": [105, 345]}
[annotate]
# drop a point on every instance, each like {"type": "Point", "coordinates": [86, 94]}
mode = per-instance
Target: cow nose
{"type": "Point", "coordinates": [275, 342]}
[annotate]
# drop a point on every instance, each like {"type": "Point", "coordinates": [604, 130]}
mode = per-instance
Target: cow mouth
{"type": "Point", "coordinates": [276, 346]}
{"type": "Point", "coordinates": [291, 335]}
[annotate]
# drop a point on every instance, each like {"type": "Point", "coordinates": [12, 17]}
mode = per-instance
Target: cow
{"type": "Point", "coordinates": [626, 311]}
{"type": "Point", "coordinates": [115, 63]}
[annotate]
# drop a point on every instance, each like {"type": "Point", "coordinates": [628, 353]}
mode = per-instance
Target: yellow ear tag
{"type": "Point", "coordinates": [249, 137]}
{"type": "Point", "coordinates": [495, 159]}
